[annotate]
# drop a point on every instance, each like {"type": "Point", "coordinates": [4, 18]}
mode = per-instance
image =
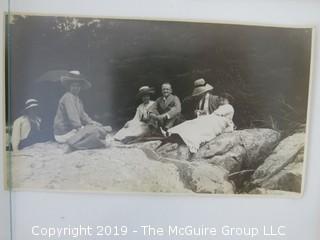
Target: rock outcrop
{"type": "Point", "coordinates": [245, 161]}
{"type": "Point", "coordinates": [283, 169]}
{"type": "Point", "coordinates": [282, 155]}
{"type": "Point", "coordinates": [243, 149]}
{"type": "Point", "coordinates": [200, 177]}
{"type": "Point", "coordinates": [238, 153]}
{"type": "Point", "coordinates": [288, 179]}
{"type": "Point", "coordinates": [45, 166]}
{"type": "Point", "coordinates": [115, 169]}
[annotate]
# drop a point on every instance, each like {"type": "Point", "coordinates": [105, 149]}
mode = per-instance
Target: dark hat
{"type": "Point", "coordinates": [31, 103]}
{"type": "Point", "coordinates": [145, 90]}
{"type": "Point", "coordinates": [75, 76]}
{"type": "Point", "coordinates": [200, 87]}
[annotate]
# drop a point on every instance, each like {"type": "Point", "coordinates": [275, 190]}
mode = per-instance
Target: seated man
{"type": "Point", "coordinates": [26, 129]}
{"type": "Point", "coordinates": [206, 102]}
{"type": "Point", "coordinates": [166, 110]}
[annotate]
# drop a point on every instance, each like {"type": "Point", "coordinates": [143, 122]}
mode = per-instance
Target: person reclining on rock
{"type": "Point", "coordinates": [200, 130]}
{"type": "Point", "coordinates": [72, 120]}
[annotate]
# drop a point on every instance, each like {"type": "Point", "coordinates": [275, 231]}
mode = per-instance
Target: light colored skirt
{"type": "Point", "coordinates": [135, 129]}
{"type": "Point", "coordinates": [87, 137]}
{"type": "Point", "coordinates": [200, 130]}
{"type": "Point", "coordinates": [64, 138]}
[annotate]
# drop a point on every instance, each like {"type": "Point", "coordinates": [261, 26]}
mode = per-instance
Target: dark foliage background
{"type": "Point", "coordinates": [266, 69]}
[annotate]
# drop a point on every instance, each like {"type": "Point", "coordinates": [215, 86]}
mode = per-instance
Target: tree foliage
{"type": "Point", "coordinates": [266, 69]}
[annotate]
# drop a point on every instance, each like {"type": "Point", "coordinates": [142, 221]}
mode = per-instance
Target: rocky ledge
{"type": "Point", "coordinates": [254, 161]}
{"type": "Point", "coordinates": [251, 161]}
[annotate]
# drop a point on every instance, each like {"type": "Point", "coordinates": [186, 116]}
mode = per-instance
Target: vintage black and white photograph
{"type": "Point", "coordinates": [156, 106]}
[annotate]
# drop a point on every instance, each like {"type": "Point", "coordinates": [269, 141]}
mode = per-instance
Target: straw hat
{"type": "Point", "coordinates": [75, 76]}
{"type": "Point", "coordinates": [31, 103]}
{"type": "Point", "coordinates": [145, 90]}
{"type": "Point", "coordinates": [200, 87]}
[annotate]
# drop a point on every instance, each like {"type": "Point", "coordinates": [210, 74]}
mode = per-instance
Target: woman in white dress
{"type": "Point", "coordinates": [138, 126]}
{"type": "Point", "coordinates": [203, 129]}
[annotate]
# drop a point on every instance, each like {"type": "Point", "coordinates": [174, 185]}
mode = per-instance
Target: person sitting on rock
{"type": "Point", "coordinates": [138, 126]}
{"type": "Point", "coordinates": [206, 102]}
{"type": "Point", "coordinates": [166, 110]}
{"type": "Point", "coordinates": [26, 129]}
{"type": "Point", "coordinates": [71, 120]}
{"type": "Point", "coordinates": [200, 130]}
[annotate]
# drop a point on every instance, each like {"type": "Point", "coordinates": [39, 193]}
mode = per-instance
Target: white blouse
{"type": "Point", "coordinates": [226, 111]}
{"type": "Point", "coordinates": [142, 112]}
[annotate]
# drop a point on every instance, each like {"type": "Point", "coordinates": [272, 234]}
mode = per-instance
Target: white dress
{"type": "Point", "coordinates": [136, 127]}
{"type": "Point", "coordinates": [205, 128]}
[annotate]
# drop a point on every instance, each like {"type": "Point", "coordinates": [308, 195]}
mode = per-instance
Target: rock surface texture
{"type": "Point", "coordinates": [283, 169]}
{"type": "Point", "coordinates": [45, 166]}
{"type": "Point", "coordinates": [243, 149]}
{"type": "Point", "coordinates": [223, 166]}
{"type": "Point", "coordinates": [238, 153]}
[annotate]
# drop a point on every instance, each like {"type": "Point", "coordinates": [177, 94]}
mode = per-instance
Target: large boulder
{"type": "Point", "coordinates": [200, 177]}
{"type": "Point", "coordinates": [114, 169]}
{"type": "Point", "coordinates": [283, 169]}
{"type": "Point", "coordinates": [46, 166]}
{"type": "Point", "coordinates": [288, 179]}
{"type": "Point", "coordinates": [210, 179]}
{"type": "Point", "coordinates": [242, 149]}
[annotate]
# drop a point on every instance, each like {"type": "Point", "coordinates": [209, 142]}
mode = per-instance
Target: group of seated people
{"type": "Point", "coordinates": [162, 117]}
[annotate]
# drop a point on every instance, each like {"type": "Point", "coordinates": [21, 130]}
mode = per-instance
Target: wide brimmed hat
{"type": "Point", "coordinates": [145, 90]}
{"type": "Point", "coordinates": [75, 76]}
{"type": "Point", "coordinates": [30, 103]}
{"type": "Point", "coordinates": [200, 87]}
